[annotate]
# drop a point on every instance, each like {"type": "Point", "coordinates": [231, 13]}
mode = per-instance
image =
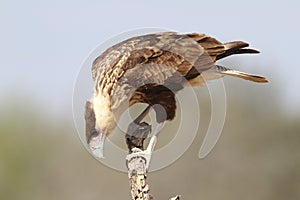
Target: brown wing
{"type": "Point", "coordinates": [149, 68]}
{"type": "Point", "coordinates": [180, 52]}
{"type": "Point", "coordinates": [216, 50]}
{"type": "Point", "coordinates": [152, 76]}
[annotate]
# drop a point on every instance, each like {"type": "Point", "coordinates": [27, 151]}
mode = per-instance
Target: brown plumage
{"type": "Point", "coordinates": [151, 69]}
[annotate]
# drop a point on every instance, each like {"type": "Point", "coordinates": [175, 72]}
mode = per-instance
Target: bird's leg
{"type": "Point", "coordinates": [145, 155]}
{"type": "Point", "coordinates": [138, 131]}
{"type": "Point", "coordinates": [153, 139]}
{"type": "Point", "coordinates": [136, 134]}
{"type": "Point", "coordinates": [142, 115]}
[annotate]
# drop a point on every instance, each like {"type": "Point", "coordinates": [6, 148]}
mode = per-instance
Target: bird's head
{"type": "Point", "coordinates": [100, 122]}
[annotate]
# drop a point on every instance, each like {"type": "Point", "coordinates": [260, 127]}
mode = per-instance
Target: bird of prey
{"type": "Point", "coordinates": [151, 69]}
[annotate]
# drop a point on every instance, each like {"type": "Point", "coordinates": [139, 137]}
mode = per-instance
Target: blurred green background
{"type": "Point", "coordinates": [43, 45]}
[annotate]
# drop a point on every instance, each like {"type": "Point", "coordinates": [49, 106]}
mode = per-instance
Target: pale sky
{"type": "Point", "coordinates": [44, 43]}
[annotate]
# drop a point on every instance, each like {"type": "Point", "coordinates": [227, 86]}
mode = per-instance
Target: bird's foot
{"type": "Point", "coordinates": [144, 156]}
{"type": "Point", "coordinates": [139, 157]}
{"type": "Point", "coordinates": [136, 135]}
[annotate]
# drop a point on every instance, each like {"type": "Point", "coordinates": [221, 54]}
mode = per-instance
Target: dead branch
{"type": "Point", "coordinates": [136, 161]}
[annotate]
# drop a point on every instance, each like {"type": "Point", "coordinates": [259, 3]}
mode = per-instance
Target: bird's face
{"type": "Point", "coordinates": [100, 122]}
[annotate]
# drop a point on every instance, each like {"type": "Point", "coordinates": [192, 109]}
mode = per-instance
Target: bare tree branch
{"type": "Point", "coordinates": [136, 161]}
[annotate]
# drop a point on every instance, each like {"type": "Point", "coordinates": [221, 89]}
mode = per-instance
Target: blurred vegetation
{"type": "Point", "coordinates": [257, 156]}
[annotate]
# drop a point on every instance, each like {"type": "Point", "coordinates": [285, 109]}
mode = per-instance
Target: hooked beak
{"type": "Point", "coordinates": [96, 144]}
{"type": "Point", "coordinates": [95, 137]}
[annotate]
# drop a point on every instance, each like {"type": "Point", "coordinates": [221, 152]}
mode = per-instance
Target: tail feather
{"type": "Point", "coordinates": [237, 47]}
{"type": "Point", "coordinates": [243, 75]}
{"type": "Point", "coordinates": [217, 51]}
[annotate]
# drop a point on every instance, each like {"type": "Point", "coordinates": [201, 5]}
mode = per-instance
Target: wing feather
{"type": "Point", "coordinates": [158, 62]}
{"type": "Point", "coordinates": [168, 51]}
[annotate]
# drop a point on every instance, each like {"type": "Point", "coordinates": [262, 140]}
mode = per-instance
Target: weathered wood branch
{"type": "Point", "coordinates": [138, 161]}
{"type": "Point", "coordinates": [137, 174]}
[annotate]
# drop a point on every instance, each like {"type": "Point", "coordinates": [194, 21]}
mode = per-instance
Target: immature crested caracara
{"type": "Point", "coordinates": [151, 69]}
